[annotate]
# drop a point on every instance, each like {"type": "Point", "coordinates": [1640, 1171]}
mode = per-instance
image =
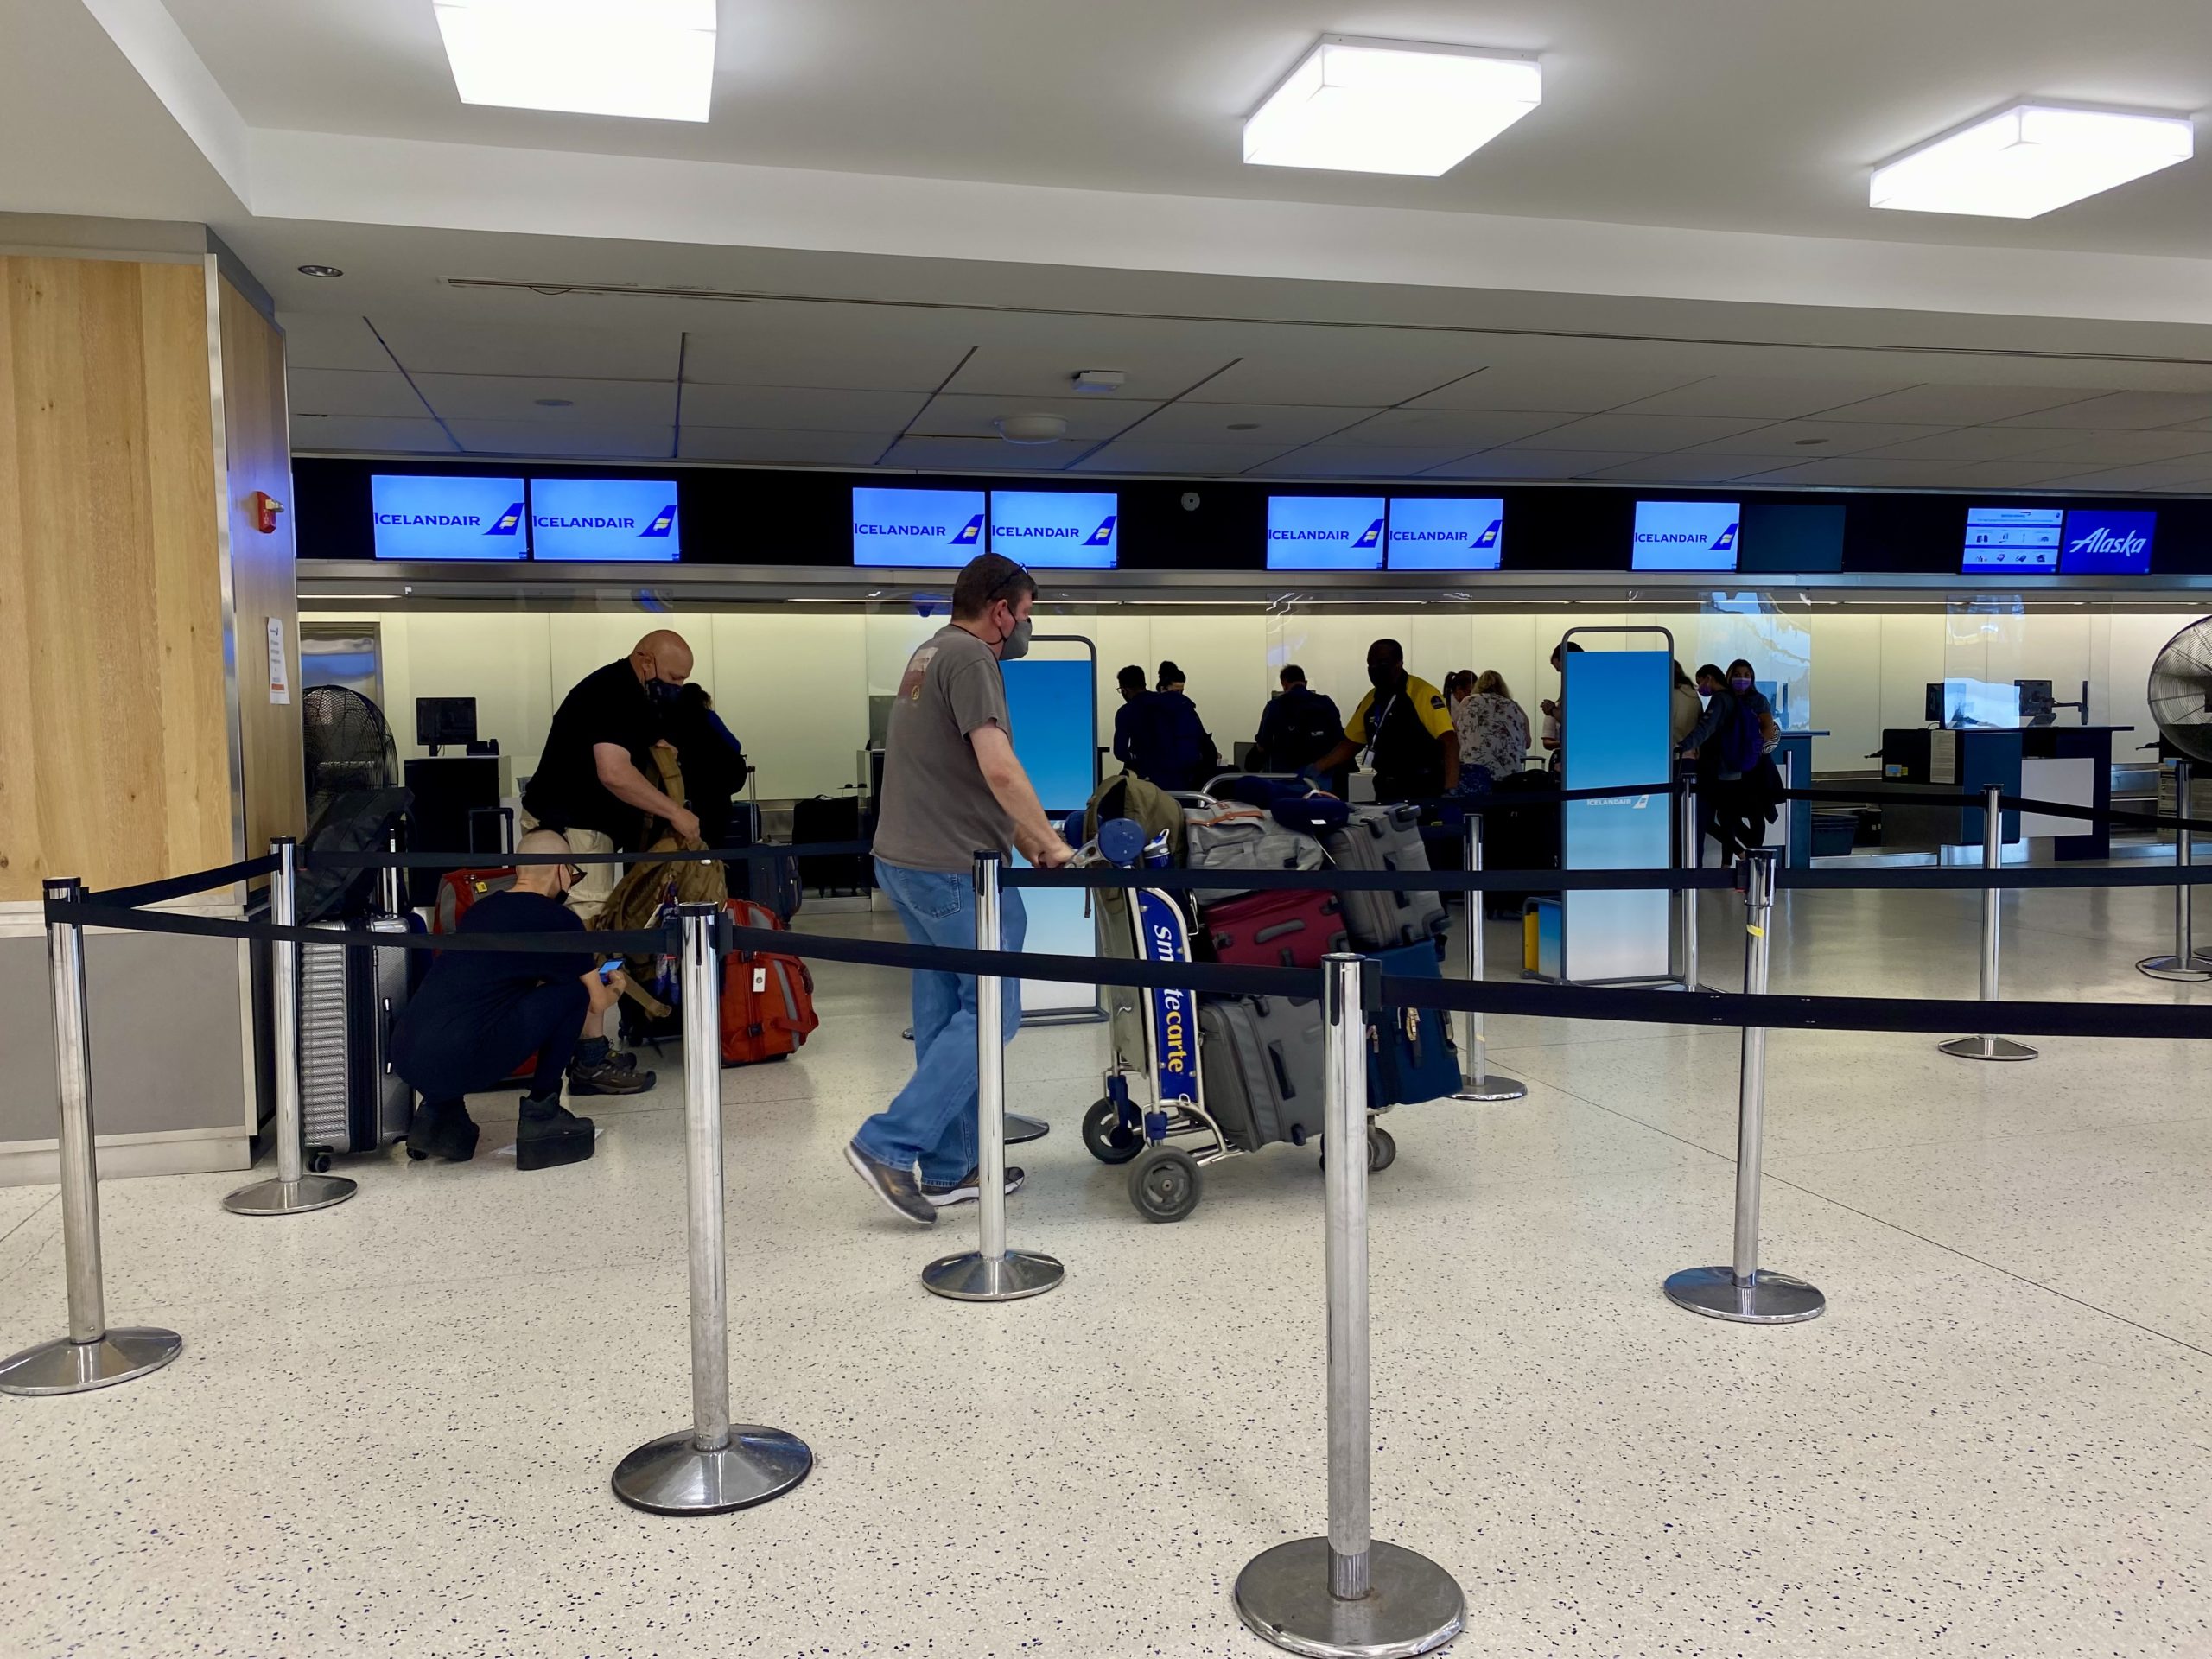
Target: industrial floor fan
{"type": "Point", "coordinates": [2180, 694]}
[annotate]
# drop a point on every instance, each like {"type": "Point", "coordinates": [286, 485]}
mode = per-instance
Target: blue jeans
{"type": "Point", "coordinates": [932, 1123]}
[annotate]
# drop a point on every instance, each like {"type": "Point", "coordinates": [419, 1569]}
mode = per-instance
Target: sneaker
{"type": "Point", "coordinates": [896, 1187]}
{"type": "Point", "coordinates": [969, 1187]}
{"type": "Point", "coordinates": [607, 1079]}
{"type": "Point", "coordinates": [549, 1134]}
{"type": "Point", "coordinates": [441, 1129]}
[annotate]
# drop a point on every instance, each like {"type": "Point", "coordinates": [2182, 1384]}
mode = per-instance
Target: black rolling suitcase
{"type": "Point", "coordinates": [1259, 1058]}
{"type": "Point", "coordinates": [1384, 838]}
{"type": "Point", "coordinates": [1520, 837]}
{"type": "Point", "coordinates": [351, 1100]}
{"type": "Point", "coordinates": [829, 817]}
{"type": "Point", "coordinates": [772, 881]}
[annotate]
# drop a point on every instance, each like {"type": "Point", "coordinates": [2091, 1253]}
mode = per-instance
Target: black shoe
{"type": "Point", "coordinates": [969, 1187]}
{"type": "Point", "coordinates": [607, 1077]}
{"type": "Point", "coordinates": [549, 1134]}
{"type": "Point", "coordinates": [441, 1129]}
{"type": "Point", "coordinates": [896, 1187]}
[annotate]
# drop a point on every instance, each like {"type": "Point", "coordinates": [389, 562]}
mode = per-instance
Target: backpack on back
{"type": "Point", "coordinates": [1742, 739]}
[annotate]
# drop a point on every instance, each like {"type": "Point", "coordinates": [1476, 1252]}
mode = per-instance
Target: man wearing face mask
{"type": "Point", "coordinates": [480, 1013]}
{"type": "Point", "coordinates": [951, 788]}
{"type": "Point", "coordinates": [1404, 725]}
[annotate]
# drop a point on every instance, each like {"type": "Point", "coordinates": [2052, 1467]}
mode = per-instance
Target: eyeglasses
{"type": "Point", "coordinates": [575, 873]}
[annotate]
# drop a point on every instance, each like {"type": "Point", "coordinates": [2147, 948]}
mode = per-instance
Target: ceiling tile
{"type": "Point", "coordinates": [1370, 366]}
{"type": "Point", "coordinates": [1505, 465]}
{"type": "Point", "coordinates": [1460, 429]}
{"type": "Point", "coordinates": [1137, 454]}
{"type": "Point", "coordinates": [2008, 474]}
{"type": "Point", "coordinates": [358, 392]}
{"type": "Point", "coordinates": [1969, 443]}
{"type": "Point", "coordinates": [982, 454]}
{"type": "Point", "coordinates": [558, 439]}
{"type": "Point", "coordinates": [806, 409]}
{"type": "Point", "coordinates": [1276, 426]}
{"type": "Point", "coordinates": [1574, 389]}
{"type": "Point", "coordinates": [330, 339]}
{"type": "Point", "coordinates": [1815, 440]}
{"type": "Point", "coordinates": [648, 351]}
{"type": "Point", "coordinates": [1048, 370]}
{"type": "Point", "coordinates": [2124, 409]}
{"type": "Point", "coordinates": [1937, 404]}
{"type": "Point", "coordinates": [844, 346]}
{"type": "Point", "coordinates": [1867, 471]}
{"type": "Point", "coordinates": [2150, 475]}
{"type": "Point", "coordinates": [515, 398]}
{"type": "Point", "coordinates": [2088, 449]}
{"type": "Point", "coordinates": [350, 433]}
{"type": "Point", "coordinates": [1636, 434]}
{"type": "Point", "coordinates": [951, 415]}
{"type": "Point", "coordinates": [1339, 459]}
{"type": "Point", "coordinates": [785, 448]}
{"type": "Point", "coordinates": [1686, 467]}
{"type": "Point", "coordinates": [1765, 398]}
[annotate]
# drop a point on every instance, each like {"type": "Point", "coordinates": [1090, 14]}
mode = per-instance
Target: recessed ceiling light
{"type": "Point", "coordinates": [1391, 107]}
{"type": "Point", "coordinates": [2029, 160]}
{"type": "Point", "coordinates": [651, 58]}
{"type": "Point", "coordinates": [1031, 429]}
{"type": "Point", "coordinates": [1243, 426]}
{"type": "Point", "coordinates": [320, 270]}
{"type": "Point", "coordinates": [1805, 442]}
{"type": "Point", "coordinates": [555, 402]}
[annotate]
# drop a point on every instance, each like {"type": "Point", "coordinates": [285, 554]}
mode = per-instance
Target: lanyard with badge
{"type": "Point", "coordinates": [1375, 724]}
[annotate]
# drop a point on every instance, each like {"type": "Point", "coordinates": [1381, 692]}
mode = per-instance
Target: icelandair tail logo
{"type": "Point", "coordinates": [1103, 535]}
{"type": "Point", "coordinates": [969, 533]}
{"type": "Point", "coordinates": [661, 524]}
{"type": "Point", "coordinates": [507, 523]}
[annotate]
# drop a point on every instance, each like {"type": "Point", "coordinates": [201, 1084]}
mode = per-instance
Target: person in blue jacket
{"type": "Point", "coordinates": [1158, 734]}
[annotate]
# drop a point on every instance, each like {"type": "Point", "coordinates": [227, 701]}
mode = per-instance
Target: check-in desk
{"type": "Point", "coordinates": [2072, 764]}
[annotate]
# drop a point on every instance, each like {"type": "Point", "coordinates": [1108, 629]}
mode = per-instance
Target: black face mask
{"type": "Point", "coordinates": [663, 692]}
{"type": "Point", "coordinates": [1385, 678]}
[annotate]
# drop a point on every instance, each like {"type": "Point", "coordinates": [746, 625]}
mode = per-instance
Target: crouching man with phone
{"type": "Point", "coordinates": [481, 1013]}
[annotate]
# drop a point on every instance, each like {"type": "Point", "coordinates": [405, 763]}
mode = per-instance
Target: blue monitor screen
{"type": "Point", "coordinates": [932, 529]}
{"type": "Point", "coordinates": [1055, 530]}
{"type": "Point", "coordinates": [2011, 541]}
{"type": "Point", "coordinates": [2103, 541]}
{"type": "Point", "coordinates": [424, 516]}
{"type": "Point", "coordinates": [1325, 532]}
{"type": "Point", "coordinates": [1685, 536]}
{"type": "Point", "coordinates": [1431, 532]}
{"type": "Point", "coordinates": [606, 520]}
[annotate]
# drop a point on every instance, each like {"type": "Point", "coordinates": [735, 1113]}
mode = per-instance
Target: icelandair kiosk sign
{"type": "Point", "coordinates": [1044, 530]}
{"type": "Point", "coordinates": [604, 520]}
{"type": "Point", "coordinates": [1685, 536]}
{"type": "Point", "coordinates": [441, 516]}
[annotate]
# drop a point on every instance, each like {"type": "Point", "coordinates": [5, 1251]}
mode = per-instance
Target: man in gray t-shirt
{"type": "Point", "coordinates": [951, 788]}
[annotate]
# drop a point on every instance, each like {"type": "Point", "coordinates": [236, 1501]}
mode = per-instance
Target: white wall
{"type": "Point", "coordinates": [794, 684]}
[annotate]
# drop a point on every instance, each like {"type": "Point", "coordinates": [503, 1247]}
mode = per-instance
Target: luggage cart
{"type": "Point", "coordinates": [1164, 1183]}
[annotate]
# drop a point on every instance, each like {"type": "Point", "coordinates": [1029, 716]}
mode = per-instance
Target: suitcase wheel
{"type": "Point", "coordinates": [1164, 1184]}
{"type": "Point", "coordinates": [1382, 1150]}
{"type": "Point", "coordinates": [1109, 1140]}
{"type": "Point", "coordinates": [318, 1161]}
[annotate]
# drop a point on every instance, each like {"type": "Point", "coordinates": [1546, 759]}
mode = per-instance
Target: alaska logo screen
{"type": "Point", "coordinates": [424, 516]}
{"type": "Point", "coordinates": [1325, 532]}
{"type": "Point", "coordinates": [1435, 532]}
{"type": "Point", "coordinates": [1055, 530]}
{"type": "Point", "coordinates": [605, 520]}
{"type": "Point", "coordinates": [916, 529]}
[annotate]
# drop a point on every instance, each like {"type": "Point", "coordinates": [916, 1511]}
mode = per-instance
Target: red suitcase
{"type": "Point", "coordinates": [1277, 929]}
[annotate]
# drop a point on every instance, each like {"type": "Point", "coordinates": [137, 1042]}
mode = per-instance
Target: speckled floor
{"type": "Point", "coordinates": [391, 1429]}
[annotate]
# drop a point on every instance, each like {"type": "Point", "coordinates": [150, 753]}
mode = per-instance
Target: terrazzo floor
{"type": "Point", "coordinates": [392, 1426]}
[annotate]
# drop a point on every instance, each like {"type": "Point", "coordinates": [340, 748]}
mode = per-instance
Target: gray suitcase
{"type": "Point", "coordinates": [351, 1100]}
{"type": "Point", "coordinates": [1384, 838]}
{"type": "Point", "coordinates": [1261, 1060]}
{"type": "Point", "coordinates": [1230, 836]}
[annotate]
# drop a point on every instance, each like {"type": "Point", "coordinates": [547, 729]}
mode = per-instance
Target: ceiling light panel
{"type": "Point", "coordinates": [2029, 160]}
{"type": "Point", "coordinates": [651, 58]}
{"type": "Point", "coordinates": [1391, 107]}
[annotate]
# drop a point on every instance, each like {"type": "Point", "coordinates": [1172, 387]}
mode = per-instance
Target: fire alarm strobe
{"type": "Point", "coordinates": [265, 507]}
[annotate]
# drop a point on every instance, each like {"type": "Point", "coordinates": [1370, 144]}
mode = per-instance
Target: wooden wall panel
{"type": "Point", "coordinates": [262, 567]}
{"type": "Point", "coordinates": [114, 739]}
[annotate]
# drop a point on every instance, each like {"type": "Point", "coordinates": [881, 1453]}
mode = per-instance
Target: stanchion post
{"type": "Point", "coordinates": [293, 1190]}
{"type": "Point", "coordinates": [1692, 858]}
{"type": "Point", "coordinates": [1742, 1291]}
{"type": "Point", "coordinates": [91, 1356]}
{"type": "Point", "coordinates": [715, 1466]}
{"type": "Point", "coordinates": [1346, 1594]}
{"type": "Point", "coordinates": [1986, 1047]}
{"type": "Point", "coordinates": [2184, 962]}
{"type": "Point", "coordinates": [1476, 1080]}
{"type": "Point", "coordinates": [990, 1273]}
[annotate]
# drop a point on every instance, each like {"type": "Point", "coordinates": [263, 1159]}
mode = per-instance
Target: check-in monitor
{"type": "Point", "coordinates": [605, 520]}
{"type": "Point", "coordinates": [1326, 532]}
{"type": "Point", "coordinates": [2104, 542]}
{"type": "Point", "coordinates": [1442, 532]}
{"type": "Point", "coordinates": [2011, 541]}
{"type": "Point", "coordinates": [926, 528]}
{"type": "Point", "coordinates": [1056, 530]}
{"type": "Point", "coordinates": [1685, 536]}
{"type": "Point", "coordinates": [446, 516]}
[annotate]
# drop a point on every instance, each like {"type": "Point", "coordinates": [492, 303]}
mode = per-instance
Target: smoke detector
{"type": "Point", "coordinates": [1031, 429]}
{"type": "Point", "coordinates": [1099, 380]}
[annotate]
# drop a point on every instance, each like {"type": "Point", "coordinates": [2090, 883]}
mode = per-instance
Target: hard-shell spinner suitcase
{"type": "Point", "coordinates": [1275, 929]}
{"type": "Point", "coordinates": [1261, 1060]}
{"type": "Point", "coordinates": [1385, 838]}
{"type": "Point", "coordinates": [351, 1100]}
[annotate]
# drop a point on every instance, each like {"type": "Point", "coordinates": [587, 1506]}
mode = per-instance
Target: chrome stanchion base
{"type": "Point", "coordinates": [1412, 1604]}
{"type": "Point", "coordinates": [276, 1197]}
{"type": "Point", "coordinates": [1022, 1128]}
{"type": "Point", "coordinates": [1987, 1048]}
{"type": "Point", "coordinates": [1494, 1086]}
{"type": "Point", "coordinates": [672, 1475]}
{"type": "Point", "coordinates": [1771, 1299]}
{"type": "Point", "coordinates": [65, 1367]}
{"type": "Point", "coordinates": [2195, 971]}
{"type": "Point", "coordinates": [974, 1277]}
